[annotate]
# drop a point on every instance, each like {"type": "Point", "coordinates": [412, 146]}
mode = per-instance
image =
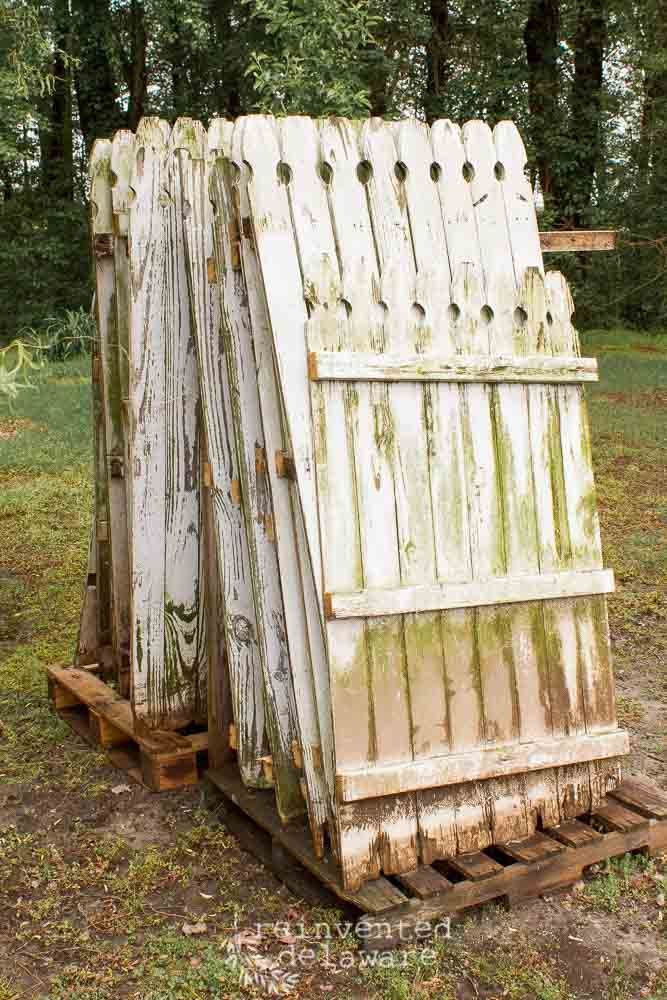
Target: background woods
{"type": "Point", "coordinates": [585, 80]}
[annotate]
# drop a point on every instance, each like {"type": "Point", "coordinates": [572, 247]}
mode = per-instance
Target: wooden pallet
{"type": "Point", "coordinates": [159, 760]}
{"type": "Point", "coordinates": [396, 909]}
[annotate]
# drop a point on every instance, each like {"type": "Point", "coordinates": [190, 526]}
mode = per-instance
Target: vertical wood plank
{"type": "Point", "coordinates": [595, 667]}
{"type": "Point", "coordinates": [460, 700]}
{"type": "Point", "coordinates": [109, 390]}
{"type": "Point", "coordinates": [493, 815]}
{"type": "Point", "coordinates": [257, 504]}
{"type": "Point", "coordinates": [410, 406]}
{"type": "Point", "coordinates": [185, 622]}
{"type": "Point", "coordinates": [228, 532]}
{"type": "Point", "coordinates": [122, 158]}
{"type": "Point", "coordinates": [390, 824]}
{"type": "Point", "coordinates": [317, 759]}
{"type": "Point", "coordinates": [147, 244]}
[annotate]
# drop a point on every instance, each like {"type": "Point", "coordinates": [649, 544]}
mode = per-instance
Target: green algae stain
{"type": "Point", "coordinates": [557, 476]}
{"type": "Point", "coordinates": [383, 427]}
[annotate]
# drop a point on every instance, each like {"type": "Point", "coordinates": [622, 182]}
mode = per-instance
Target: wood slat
{"type": "Point", "coordinates": [424, 882]}
{"type": "Point", "coordinates": [227, 537]}
{"type": "Point", "coordinates": [355, 366]}
{"type": "Point", "coordinates": [476, 867]}
{"type": "Point", "coordinates": [514, 883]}
{"type": "Point", "coordinates": [573, 833]}
{"type": "Point", "coordinates": [613, 816]}
{"type": "Point", "coordinates": [643, 797]}
{"type": "Point", "coordinates": [578, 240]}
{"type": "Point", "coordinates": [476, 765]}
{"type": "Point", "coordinates": [438, 597]}
{"type": "Point", "coordinates": [537, 847]}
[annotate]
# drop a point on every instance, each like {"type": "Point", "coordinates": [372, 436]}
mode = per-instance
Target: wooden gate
{"type": "Point", "coordinates": [339, 396]}
{"type": "Point", "coordinates": [436, 417]}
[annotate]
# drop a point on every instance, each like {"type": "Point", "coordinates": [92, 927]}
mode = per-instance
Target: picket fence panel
{"type": "Point", "coordinates": [358, 496]}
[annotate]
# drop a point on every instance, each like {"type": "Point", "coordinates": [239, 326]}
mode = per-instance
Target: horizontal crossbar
{"type": "Point", "coordinates": [576, 240]}
{"type": "Point", "coordinates": [357, 366]}
{"type": "Point", "coordinates": [447, 596]}
{"type": "Point", "coordinates": [375, 781]}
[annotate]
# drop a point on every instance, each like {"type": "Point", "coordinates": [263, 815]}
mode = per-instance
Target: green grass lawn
{"type": "Point", "coordinates": [97, 884]}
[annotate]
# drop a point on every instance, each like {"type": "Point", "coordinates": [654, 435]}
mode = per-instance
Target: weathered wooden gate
{"type": "Point", "coordinates": [435, 412]}
{"type": "Point", "coordinates": [334, 343]}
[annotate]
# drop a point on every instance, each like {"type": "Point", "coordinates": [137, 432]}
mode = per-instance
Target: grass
{"type": "Point", "coordinates": [96, 887]}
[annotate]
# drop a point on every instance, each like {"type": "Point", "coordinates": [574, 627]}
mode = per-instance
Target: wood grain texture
{"type": "Point", "coordinates": [257, 504]}
{"type": "Point", "coordinates": [356, 366]}
{"type": "Point", "coordinates": [168, 637]}
{"type": "Point", "coordinates": [237, 606]}
{"type": "Point", "coordinates": [302, 618]}
{"type": "Point", "coordinates": [112, 462]}
{"type": "Point", "coordinates": [122, 158]}
{"type": "Point", "coordinates": [440, 596]}
{"type": "Point", "coordinates": [577, 240]}
{"type": "Point", "coordinates": [477, 765]}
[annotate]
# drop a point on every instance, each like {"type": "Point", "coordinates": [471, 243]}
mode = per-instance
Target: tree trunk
{"type": "Point", "coordinates": [653, 135]}
{"type": "Point", "coordinates": [589, 44]}
{"type": "Point", "coordinates": [228, 71]}
{"type": "Point", "coordinates": [541, 37]}
{"type": "Point", "coordinates": [134, 67]}
{"type": "Point", "coordinates": [437, 65]}
{"type": "Point", "coordinates": [99, 114]}
{"type": "Point", "coordinates": [58, 164]}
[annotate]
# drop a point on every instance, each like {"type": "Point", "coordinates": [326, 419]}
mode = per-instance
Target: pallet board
{"type": "Point", "coordinates": [161, 760]}
{"type": "Point", "coordinates": [393, 911]}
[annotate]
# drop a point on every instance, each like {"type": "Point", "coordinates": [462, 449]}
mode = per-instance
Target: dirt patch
{"type": "Point", "coordinates": [651, 400]}
{"type": "Point", "coordinates": [9, 428]}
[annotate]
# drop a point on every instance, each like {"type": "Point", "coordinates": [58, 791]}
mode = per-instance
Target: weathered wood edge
{"type": "Point", "coordinates": [575, 240]}
{"type": "Point", "coordinates": [365, 366]}
{"type": "Point", "coordinates": [479, 593]}
{"type": "Point", "coordinates": [477, 765]}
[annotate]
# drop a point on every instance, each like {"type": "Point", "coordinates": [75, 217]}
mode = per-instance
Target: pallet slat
{"type": "Point", "coordinates": [159, 759]}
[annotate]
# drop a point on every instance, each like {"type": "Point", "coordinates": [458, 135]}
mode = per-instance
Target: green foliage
{"type": "Point", "coordinates": [314, 58]}
{"type": "Point", "coordinates": [44, 262]}
{"type": "Point", "coordinates": [64, 336]}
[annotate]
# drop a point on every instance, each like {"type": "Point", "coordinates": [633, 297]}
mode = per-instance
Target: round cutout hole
{"type": "Point", "coordinates": [499, 171]}
{"type": "Point", "coordinates": [401, 171]}
{"type": "Point", "coordinates": [453, 312]}
{"type": "Point", "coordinates": [326, 172]}
{"type": "Point", "coordinates": [364, 171]}
{"type": "Point", "coordinates": [486, 314]}
{"type": "Point", "coordinates": [468, 171]}
{"type": "Point", "coordinates": [435, 172]}
{"type": "Point", "coordinates": [520, 316]}
{"type": "Point", "coordinates": [284, 172]}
